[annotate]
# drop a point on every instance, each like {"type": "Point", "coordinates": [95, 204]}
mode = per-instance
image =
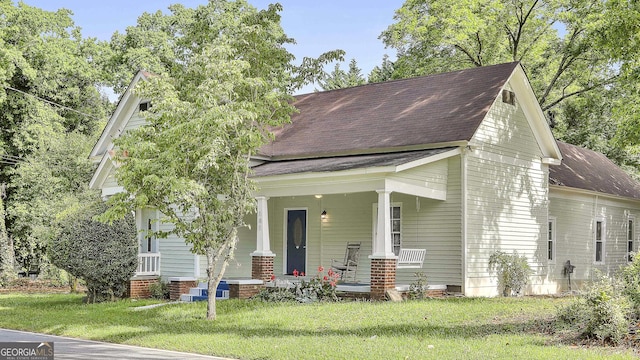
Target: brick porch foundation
{"type": "Point", "coordinates": [261, 268]}
{"type": "Point", "coordinates": [139, 286]}
{"type": "Point", "coordinates": [244, 289]}
{"type": "Point", "coordinates": [383, 277]}
{"type": "Point", "coordinates": [180, 285]}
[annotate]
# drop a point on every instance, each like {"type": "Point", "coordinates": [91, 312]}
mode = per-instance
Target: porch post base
{"type": "Point", "coordinates": [262, 267]}
{"type": "Point", "coordinates": [383, 277]}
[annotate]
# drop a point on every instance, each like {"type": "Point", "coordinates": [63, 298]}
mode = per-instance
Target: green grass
{"type": "Point", "coordinates": [443, 329]}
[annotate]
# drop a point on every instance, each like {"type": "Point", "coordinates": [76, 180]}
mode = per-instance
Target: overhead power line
{"type": "Point", "coordinates": [51, 102]}
{"type": "Point", "coordinates": [10, 160]}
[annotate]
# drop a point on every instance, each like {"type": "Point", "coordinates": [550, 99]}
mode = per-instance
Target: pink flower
{"type": "Point", "coordinates": [295, 272]}
{"type": "Point", "coordinates": [273, 277]}
{"type": "Point", "coordinates": [301, 274]}
{"type": "Point", "coordinates": [333, 284]}
{"type": "Point", "coordinates": [325, 278]}
{"type": "Point", "coordinates": [320, 268]}
{"type": "Point", "coordinates": [330, 272]}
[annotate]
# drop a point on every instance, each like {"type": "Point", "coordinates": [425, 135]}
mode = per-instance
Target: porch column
{"type": "Point", "coordinates": [383, 260]}
{"type": "Point", "coordinates": [262, 258]}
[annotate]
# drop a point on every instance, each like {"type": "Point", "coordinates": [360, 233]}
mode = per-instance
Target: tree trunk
{"type": "Point", "coordinates": [213, 279]}
{"type": "Point", "coordinates": [212, 285]}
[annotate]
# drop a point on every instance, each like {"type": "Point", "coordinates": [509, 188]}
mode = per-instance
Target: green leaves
{"type": "Point", "coordinates": [574, 52]}
{"type": "Point", "coordinates": [220, 84]}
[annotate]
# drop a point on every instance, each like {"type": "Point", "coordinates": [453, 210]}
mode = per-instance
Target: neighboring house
{"type": "Point", "coordinates": [461, 164]}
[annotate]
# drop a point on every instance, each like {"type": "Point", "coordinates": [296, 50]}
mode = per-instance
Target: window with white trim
{"type": "Point", "coordinates": [630, 237]}
{"type": "Point", "coordinates": [147, 226]}
{"type": "Point", "coordinates": [395, 211]}
{"type": "Point", "coordinates": [396, 233]}
{"type": "Point", "coordinates": [551, 240]}
{"type": "Point", "coordinates": [599, 240]}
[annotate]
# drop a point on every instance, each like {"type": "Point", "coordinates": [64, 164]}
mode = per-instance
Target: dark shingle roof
{"type": "Point", "coordinates": [340, 163]}
{"type": "Point", "coordinates": [433, 109]}
{"type": "Point", "coordinates": [588, 170]}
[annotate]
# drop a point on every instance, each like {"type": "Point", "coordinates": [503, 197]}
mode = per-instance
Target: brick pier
{"type": "Point", "coordinates": [383, 277]}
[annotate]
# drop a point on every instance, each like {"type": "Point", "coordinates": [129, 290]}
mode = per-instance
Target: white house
{"type": "Point", "coordinates": [461, 164]}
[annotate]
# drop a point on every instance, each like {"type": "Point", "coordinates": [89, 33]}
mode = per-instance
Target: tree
{"type": "Point", "coordinates": [53, 179]}
{"type": "Point", "coordinates": [570, 49]}
{"type": "Point", "coordinates": [382, 73]}
{"type": "Point", "coordinates": [339, 79]}
{"type": "Point", "coordinates": [213, 104]}
{"type": "Point", "coordinates": [104, 255]}
{"type": "Point", "coordinates": [6, 247]}
{"type": "Point", "coordinates": [50, 76]}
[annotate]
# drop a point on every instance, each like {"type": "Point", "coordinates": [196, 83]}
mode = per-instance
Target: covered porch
{"type": "Point", "coordinates": [383, 202]}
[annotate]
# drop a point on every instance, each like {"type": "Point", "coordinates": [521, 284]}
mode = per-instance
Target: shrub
{"type": "Point", "coordinates": [103, 255]}
{"type": "Point", "coordinates": [418, 288]}
{"type": "Point", "coordinates": [276, 294]}
{"type": "Point", "coordinates": [159, 290]}
{"type": "Point", "coordinates": [630, 277]}
{"type": "Point", "coordinates": [319, 288]}
{"type": "Point", "coordinates": [513, 272]}
{"type": "Point", "coordinates": [599, 313]}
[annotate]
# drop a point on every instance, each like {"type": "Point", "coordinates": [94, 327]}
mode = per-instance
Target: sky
{"type": "Point", "coordinates": [317, 26]}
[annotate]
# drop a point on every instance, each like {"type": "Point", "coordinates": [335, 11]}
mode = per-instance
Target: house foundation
{"type": "Point", "coordinates": [244, 289]}
{"type": "Point", "coordinates": [139, 286]}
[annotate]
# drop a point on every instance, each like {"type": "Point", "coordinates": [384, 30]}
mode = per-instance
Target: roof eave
{"type": "Point", "coordinates": [102, 144]}
{"type": "Point", "coordinates": [591, 193]}
{"type": "Point", "coordinates": [458, 144]}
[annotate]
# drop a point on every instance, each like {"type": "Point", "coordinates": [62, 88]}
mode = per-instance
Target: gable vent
{"type": "Point", "coordinates": [508, 97]}
{"type": "Point", "coordinates": [146, 105]}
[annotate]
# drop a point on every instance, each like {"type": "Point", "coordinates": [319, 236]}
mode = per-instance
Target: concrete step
{"type": "Point", "coordinates": [201, 293]}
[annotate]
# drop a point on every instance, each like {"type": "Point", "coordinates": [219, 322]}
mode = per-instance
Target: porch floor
{"type": "Point", "coordinates": [349, 287]}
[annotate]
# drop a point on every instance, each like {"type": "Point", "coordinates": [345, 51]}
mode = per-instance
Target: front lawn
{"type": "Point", "coordinates": [460, 328]}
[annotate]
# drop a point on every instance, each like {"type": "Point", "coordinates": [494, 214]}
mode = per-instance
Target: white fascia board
{"type": "Point", "coordinates": [101, 173]}
{"type": "Point", "coordinates": [551, 161]}
{"type": "Point", "coordinates": [116, 118]}
{"type": "Point", "coordinates": [336, 174]}
{"type": "Point", "coordinates": [275, 189]}
{"type": "Point", "coordinates": [410, 189]}
{"type": "Point", "coordinates": [106, 192]}
{"type": "Point", "coordinates": [428, 160]}
{"type": "Point", "coordinates": [533, 113]}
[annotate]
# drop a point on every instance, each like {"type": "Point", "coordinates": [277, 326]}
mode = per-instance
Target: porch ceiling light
{"type": "Point", "coordinates": [318, 196]}
{"type": "Point", "coordinates": [323, 215]}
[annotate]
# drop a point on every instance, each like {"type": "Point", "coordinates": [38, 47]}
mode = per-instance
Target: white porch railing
{"type": "Point", "coordinates": [148, 264]}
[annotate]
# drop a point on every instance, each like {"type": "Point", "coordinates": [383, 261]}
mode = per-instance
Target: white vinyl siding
{"type": "Point", "coordinates": [433, 176]}
{"type": "Point", "coordinates": [576, 216]}
{"type": "Point", "coordinates": [436, 226]}
{"type": "Point", "coordinates": [135, 121]}
{"type": "Point", "coordinates": [507, 190]}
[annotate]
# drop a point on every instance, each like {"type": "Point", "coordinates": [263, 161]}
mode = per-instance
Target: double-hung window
{"type": "Point", "coordinates": [599, 240]}
{"type": "Point", "coordinates": [396, 233]}
{"type": "Point", "coordinates": [395, 211]}
{"type": "Point", "coordinates": [551, 240]}
{"type": "Point", "coordinates": [630, 236]}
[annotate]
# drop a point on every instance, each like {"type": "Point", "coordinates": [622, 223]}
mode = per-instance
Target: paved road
{"type": "Point", "coordinates": [71, 349]}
